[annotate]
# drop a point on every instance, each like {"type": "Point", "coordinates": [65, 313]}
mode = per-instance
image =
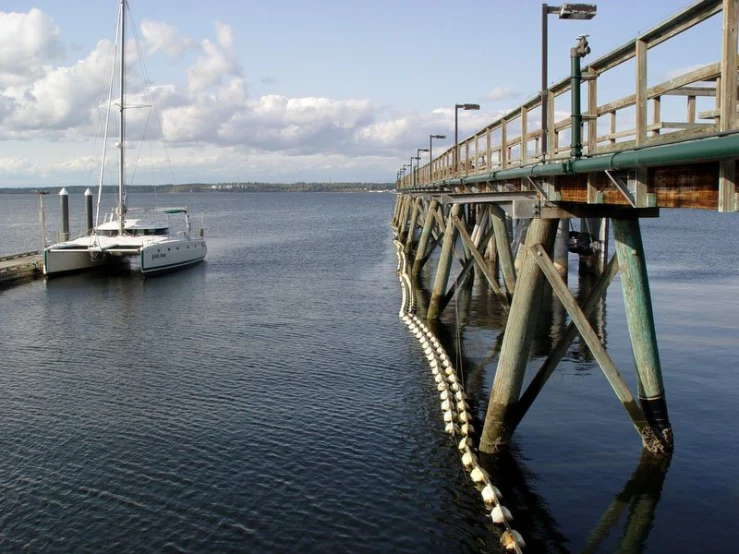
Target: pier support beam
{"type": "Point", "coordinates": [503, 246]}
{"type": "Point", "coordinates": [402, 222]}
{"type": "Point", "coordinates": [445, 262]}
{"type": "Point", "coordinates": [640, 321]}
{"type": "Point", "coordinates": [517, 340]}
{"type": "Point", "coordinates": [415, 207]}
{"type": "Point", "coordinates": [424, 240]}
{"type": "Point", "coordinates": [561, 253]}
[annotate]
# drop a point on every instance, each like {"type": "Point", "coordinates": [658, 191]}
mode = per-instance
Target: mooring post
{"type": "Point", "coordinates": [88, 212]}
{"type": "Point", "coordinates": [424, 240]}
{"type": "Point", "coordinates": [445, 262]}
{"type": "Point", "coordinates": [415, 207]}
{"type": "Point", "coordinates": [64, 198]}
{"type": "Point", "coordinates": [517, 339]}
{"type": "Point", "coordinates": [640, 321]}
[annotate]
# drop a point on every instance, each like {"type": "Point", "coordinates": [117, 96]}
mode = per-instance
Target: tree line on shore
{"type": "Point", "coordinates": [221, 187]}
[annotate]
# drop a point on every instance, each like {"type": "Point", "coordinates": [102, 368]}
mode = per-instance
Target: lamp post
{"type": "Point", "coordinates": [413, 173]}
{"type": "Point", "coordinates": [565, 11]}
{"type": "Point", "coordinates": [418, 157]}
{"type": "Point", "coordinates": [431, 156]}
{"type": "Point", "coordinates": [457, 107]}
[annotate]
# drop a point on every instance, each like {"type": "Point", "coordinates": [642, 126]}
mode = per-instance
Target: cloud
{"type": "Point", "coordinates": [267, 80]}
{"type": "Point", "coordinates": [216, 61]}
{"type": "Point", "coordinates": [161, 36]}
{"type": "Point", "coordinates": [61, 98]}
{"type": "Point", "coordinates": [14, 164]}
{"type": "Point", "coordinates": [503, 93]}
{"type": "Point", "coordinates": [209, 121]}
{"type": "Point", "coordinates": [27, 41]}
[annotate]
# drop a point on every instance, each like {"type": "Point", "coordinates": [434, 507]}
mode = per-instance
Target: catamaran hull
{"type": "Point", "coordinates": [62, 261]}
{"type": "Point", "coordinates": [169, 256]}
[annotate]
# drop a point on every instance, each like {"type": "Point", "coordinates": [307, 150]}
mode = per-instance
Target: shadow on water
{"type": "Point", "coordinates": [637, 499]}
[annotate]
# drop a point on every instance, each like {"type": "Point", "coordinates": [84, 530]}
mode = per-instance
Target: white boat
{"type": "Point", "coordinates": [146, 242]}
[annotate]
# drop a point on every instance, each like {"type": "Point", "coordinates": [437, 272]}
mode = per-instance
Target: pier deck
{"type": "Point", "coordinates": [19, 266]}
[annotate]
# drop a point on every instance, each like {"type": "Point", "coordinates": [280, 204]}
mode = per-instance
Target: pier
{"type": "Point", "coordinates": [20, 266]}
{"type": "Point", "coordinates": [499, 206]}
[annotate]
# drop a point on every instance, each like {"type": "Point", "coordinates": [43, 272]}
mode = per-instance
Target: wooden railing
{"type": "Point", "coordinates": [514, 139]}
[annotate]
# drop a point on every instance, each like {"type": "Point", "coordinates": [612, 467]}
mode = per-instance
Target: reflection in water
{"type": "Point", "coordinates": [640, 496]}
{"type": "Point", "coordinates": [534, 520]}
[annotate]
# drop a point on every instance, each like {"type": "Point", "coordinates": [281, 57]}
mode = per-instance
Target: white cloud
{"type": "Point", "coordinates": [27, 41]}
{"type": "Point", "coordinates": [210, 122]}
{"type": "Point", "coordinates": [216, 61]}
{"type": "Point", "coordinates": [161, 36]}
{"type": "Point", "coordinates": [503, 93]}
{"type": "Point", "coordinates": [13, 164]}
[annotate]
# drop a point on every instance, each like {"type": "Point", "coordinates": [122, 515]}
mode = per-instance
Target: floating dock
{"type": "Point", "coordinates": [20, 266]}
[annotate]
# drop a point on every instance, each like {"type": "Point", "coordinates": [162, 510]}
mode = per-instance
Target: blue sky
{"type": "Point", "coordinates": [293, 90]}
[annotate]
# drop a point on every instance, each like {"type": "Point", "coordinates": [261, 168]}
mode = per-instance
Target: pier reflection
{"type": "Point", "coordinates": [625, 524]}
{"type": "Point", "coordinates": [638, 498]}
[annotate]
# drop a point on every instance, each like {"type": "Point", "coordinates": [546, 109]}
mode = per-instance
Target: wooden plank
{"type": "Point", "coordinates": [691, 91]}
{"type": "Point", "coordinates": [524, 135]}
{"type": "Point", "coordinates": [727, 90]}
{"type": "Point", "coordinates": [641, 92]}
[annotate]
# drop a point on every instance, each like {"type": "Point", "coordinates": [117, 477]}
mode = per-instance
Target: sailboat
{"type": "Point", "coordinates": [146, 241]}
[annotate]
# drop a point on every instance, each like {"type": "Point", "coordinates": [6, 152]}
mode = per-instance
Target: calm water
{"type": "Point", "coordinates": [270, 400]}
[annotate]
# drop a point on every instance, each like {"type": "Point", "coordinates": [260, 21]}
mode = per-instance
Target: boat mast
{"type": "Point", "coordinates": [121, 152]}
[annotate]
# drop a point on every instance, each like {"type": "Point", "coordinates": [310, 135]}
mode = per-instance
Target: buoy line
{"type": "Point", "coordinates": [454, 407]}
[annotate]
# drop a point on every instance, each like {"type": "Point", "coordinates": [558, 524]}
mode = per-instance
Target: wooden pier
{"type": "Point", "coordinates": [20, 266]}
{"type": "Point", "coordinates": [465, 204]}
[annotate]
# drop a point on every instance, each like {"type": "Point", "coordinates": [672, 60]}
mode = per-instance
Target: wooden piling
{"type": "Point", "coordinates": [402, 222]}
{"type": "Point", "coordinates": [517, 340]}
{"type": "Point", "coordinates": [415, 208]}
{"type": "Point", "coordinates": [503, 246]}
{"type": "Point", "coordinates": [561, 253]}
{"type": "Point", "coordinates": [445, 262]}
{"type": "Point", "coordinates": [424, 239]}
{"type": "Point", "coordinates": [640, 321]}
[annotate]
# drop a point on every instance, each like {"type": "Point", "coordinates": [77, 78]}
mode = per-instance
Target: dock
{"type": "Point", "coordinates": [498, 205]}
{"type": "Point", "coordinates": [20, 266]}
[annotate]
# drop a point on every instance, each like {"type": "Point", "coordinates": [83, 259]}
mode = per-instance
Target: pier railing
{"type": "Point", "coordinates": [514, 140]}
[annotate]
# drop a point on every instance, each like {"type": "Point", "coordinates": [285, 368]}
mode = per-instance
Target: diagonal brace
{"type": "Point", "coordinates": [480, 262]}
{"type": "Point", "coordinates": [649, 439]}
{"type": "Point", "coordinates": [560, 349]}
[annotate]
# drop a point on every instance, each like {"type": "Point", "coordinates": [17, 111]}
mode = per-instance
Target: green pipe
{"type": "Point", "coordinates": [694, 151]}
{"type": "Point", "coordinates": [576, 117]}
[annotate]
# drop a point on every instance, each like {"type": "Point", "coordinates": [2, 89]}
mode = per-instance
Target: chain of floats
{"type": "Point", "coordinates": [456, 411]}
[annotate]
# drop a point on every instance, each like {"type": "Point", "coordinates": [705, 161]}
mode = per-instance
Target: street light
{"type": "Point", "coordinates": [431, 157]}
{"type": "Point", "coordinates": [565, 11]}
{"type": "Point", "coordinates": [413, 174]}
{"type": "Point", "coordinates": [457, 107]}
{"type": "Point", "coordinates": [418, 157]}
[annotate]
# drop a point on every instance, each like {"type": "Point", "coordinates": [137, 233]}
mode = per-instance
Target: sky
{"type": "Point", "coordinates": [296, 90]}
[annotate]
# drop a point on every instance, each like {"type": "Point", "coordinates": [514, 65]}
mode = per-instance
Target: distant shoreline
{"type": "Point", "coordinates": [218, 187]}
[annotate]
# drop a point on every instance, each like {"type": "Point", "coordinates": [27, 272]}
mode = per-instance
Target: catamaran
{"type": "Point", "coordinates": [146, 242]}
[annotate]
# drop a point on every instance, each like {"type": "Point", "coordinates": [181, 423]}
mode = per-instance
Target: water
{"type": "Point", "coordinates": [270, 400]}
